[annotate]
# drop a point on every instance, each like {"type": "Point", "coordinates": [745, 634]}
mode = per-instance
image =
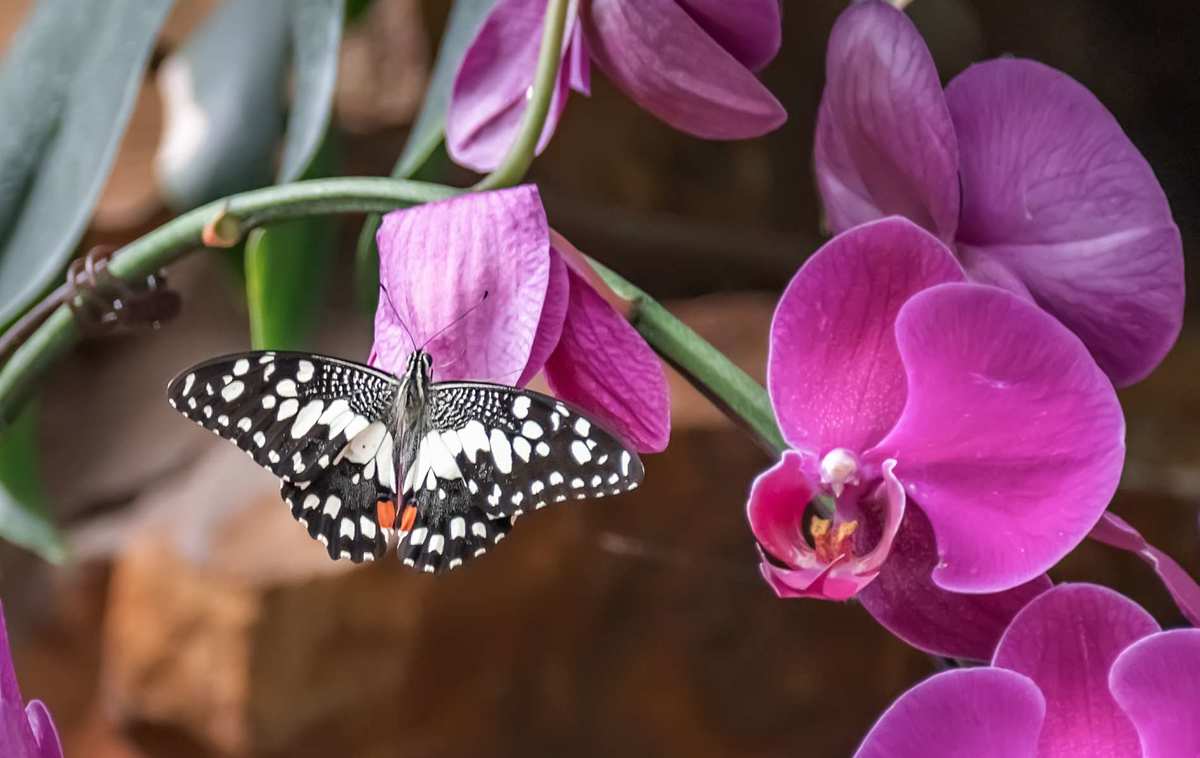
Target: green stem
{"type": "Point", "coordinates": [726, 385]}
{"type": "Point", "coordinates": [238, 214]}
{"type": "Point", "coordinates": [520, 155]}
{"type": "Point", "coordinates": [729, 388]}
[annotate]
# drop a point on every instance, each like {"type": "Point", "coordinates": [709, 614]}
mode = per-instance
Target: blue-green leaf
{"type": "Point", "coordinates": [223, 99]}
{"type": "Point", "coordinates": [67, 88]}
{"type": "Point", "coordinates": [316, 27]}
{"type": "Point", "coordinates": [428, 131]}
{"type": "Point", "coordinates": [23, 517]}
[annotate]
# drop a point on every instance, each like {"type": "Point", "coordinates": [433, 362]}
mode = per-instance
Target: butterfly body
{"type": "Point", "coordinates": [369, 461]}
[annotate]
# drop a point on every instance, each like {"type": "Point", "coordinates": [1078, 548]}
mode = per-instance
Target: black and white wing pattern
{"type": "Point", "coordinates": [322, 425]}
{"type": "Point", "coordinates": [490, 453]}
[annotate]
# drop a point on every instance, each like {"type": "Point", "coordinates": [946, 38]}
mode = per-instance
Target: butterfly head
{"type": "Point", "coordinates": [418, 375]}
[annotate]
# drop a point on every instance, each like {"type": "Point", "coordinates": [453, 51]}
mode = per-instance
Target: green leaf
{"type": "Point", "coordinates": [223, 98]}
{"type": "Point", "coordinates": [286, 267]}
{"type": "Point", "coordinates": [67, 89]}
{"type": "Point", "coordinates": [316, 27]}
{"type": "Point", "coordinates": [428, 131]}
{"type": "Point", "coordinates": [23, 517]}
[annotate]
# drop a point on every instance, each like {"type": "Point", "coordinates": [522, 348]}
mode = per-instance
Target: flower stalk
{"type": "Point", "coordinates": [520, 155]}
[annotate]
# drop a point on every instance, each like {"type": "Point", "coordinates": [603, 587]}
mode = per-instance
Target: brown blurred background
{"type": "Point", "coordinates": [197, 620]}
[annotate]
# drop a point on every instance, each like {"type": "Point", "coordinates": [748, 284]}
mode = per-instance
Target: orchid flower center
{"type": "Point", "coordinates": [830, 542]}
{"type": "Point", "coordinates": [839, 468]}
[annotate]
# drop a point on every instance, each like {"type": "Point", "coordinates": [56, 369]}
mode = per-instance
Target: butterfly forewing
{"type": "Point", "coordinates": [492, 453]}
{"type": "Point", "coordinates": [294, 413]}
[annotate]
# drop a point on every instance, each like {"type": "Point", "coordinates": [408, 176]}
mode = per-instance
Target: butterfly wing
{"type": "Point", "coordinates": [320, 424]}
{"type": "Point", "coordinates": [491, 453]}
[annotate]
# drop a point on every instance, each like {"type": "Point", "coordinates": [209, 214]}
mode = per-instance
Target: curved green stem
{"type": "Point", "coordinates": [233, 217]}
{"type": "Point", "coordinates": [714, 375]}
{"type": "Point", "coordinates": [520, 155]}
{"type": "Point", "coordinates": [725, 385]}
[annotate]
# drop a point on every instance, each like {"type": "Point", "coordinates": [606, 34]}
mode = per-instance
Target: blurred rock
{"type": "Point", "coordinates": [227, 624]}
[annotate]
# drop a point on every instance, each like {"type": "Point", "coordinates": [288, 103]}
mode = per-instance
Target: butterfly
{"type": "Point", "coordinates": [368, 460]}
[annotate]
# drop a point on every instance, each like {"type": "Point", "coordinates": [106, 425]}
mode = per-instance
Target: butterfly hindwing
{"type": "Point", "coordinates": [293, 413]}
{"type": "Point", "coordinates": [491, 453]}
{"type": "Point", "coordinates": [343, 510]}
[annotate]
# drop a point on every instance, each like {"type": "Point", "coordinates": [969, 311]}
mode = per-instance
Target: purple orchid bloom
{"type": "Point", "coordinates": [1080, 671]}
{"type": "Point", "coordinates": [27, 731]}
{"type": "Point", "coordinates": [1018, 168]}
{"type": "Point", "coordinates": [542, 310]}
{"type": "Point", "coordinates": [689, 62]}
{"type": "Point", "coordinates": [961, 440]}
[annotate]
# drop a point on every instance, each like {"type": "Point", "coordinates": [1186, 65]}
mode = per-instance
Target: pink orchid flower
{"type": "Point", "coordinates": [689, 62]}
{"type": "Point", "coordinates": [961, 440]}
{"type": "Point", "coordinates": [26, 731]}
{"type": "Point", "coordinates": [1018, 168]}
{"type": "Point", "coordinates": [1080, 671]}
{"type": "Point", "coordinates": [540, 313]}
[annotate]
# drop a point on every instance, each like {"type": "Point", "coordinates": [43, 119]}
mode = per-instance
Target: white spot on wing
{"type": "Point", "coordinates": [333, 506]}
{"type": "Point", "coordinates": [458, 528]}
{"type": "Point", "coordinates": [580, 452]}
{"type": "Point", "coordinates": [286, 388]}
{"type": "Point", "coordinates": [521, 406]}
{"type": "Point", "coordinates": [582, 427]}
{"type": "Point", "coordinates": [474, 438]}
{"type": "Point", "coordinates": [364, 445]}
{"type": "Point", "coordinates": [304, 371]}
{"type": "Point", "coordinates": [306, 418]}
{"type": "Point", "coordinates": [188, 381]}
{"type": "Point", "coordinates": [501, 451]}
{"type": "Point", "coordinates": [522, 448]}
{"type": "Point", "coordinates": [241, 367]}
{"type": "Point", "coordinates": [531, 429]}
{"type": "Point", "coordinates": [287, 409]}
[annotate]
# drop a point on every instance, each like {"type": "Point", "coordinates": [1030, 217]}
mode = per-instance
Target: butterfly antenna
{"type": "Point", "coordinates": [458, 318]}
{"type": "Point", "coordinates": [388, 298]}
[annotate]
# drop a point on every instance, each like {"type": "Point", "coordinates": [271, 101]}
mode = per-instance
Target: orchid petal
{"type": "Point", "coordinates": [834, 375]}
{"type": "Point", "coordinates": [1008, 423]}
{"type": "Point", "coordinates": [554, 313]}
{"type": "Point", "coordinates": [750, 30]}
{"type": "Point", "coordinates": [45, 735]}
{"type": "Point", "coordinates": [812, 580]}
{"type": "Point", "coordinates": [669, 65]}
{"type": "Point", "coordinates": [1114, 531]}
{"type": "Point", "coordinates": [983, 713]}
{"type": "Point", "coordinates": [494, 80]}
{"type": "Point", "coordinates": [25, 732]}
{"type": "Point", "coordinates": [1054, 191]}
{"type": "Point", "coordinates": [884, 141]}
{"type": "Point", "coordinates": [891, 494]}
{"type": "Point", "coordinates": [906, 602]}
{"type": "Point", "coordinates": [439, 260]}
{"type": "Point", "coordinates": [1066, 640]}
{"type": "Point", "coordinates": [603, 365]}
{"type": "Point", "coordinates": [775, 510]}
{"type": "Point", "coordinates": [1156, 680]}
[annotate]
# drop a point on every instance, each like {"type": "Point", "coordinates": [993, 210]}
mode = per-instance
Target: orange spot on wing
{"type": "Point", "coordinates": [385, 512]}
{"type": "Point", "coordinates": [408, 518]}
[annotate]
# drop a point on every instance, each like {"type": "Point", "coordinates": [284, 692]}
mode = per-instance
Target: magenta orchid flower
{"type": "Point", "coordinates": [1081, 671]}
{"type": "Point", "coordinates": [26, 731]}
{"type": "Point", "coordinates": [689, 62]}
{"type": "Point", "coordinates": [541, 311]}
{"type": "Point", "coordinates": [1018, 168]}
{"type": "Point", "coordinates": [960, 439]}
